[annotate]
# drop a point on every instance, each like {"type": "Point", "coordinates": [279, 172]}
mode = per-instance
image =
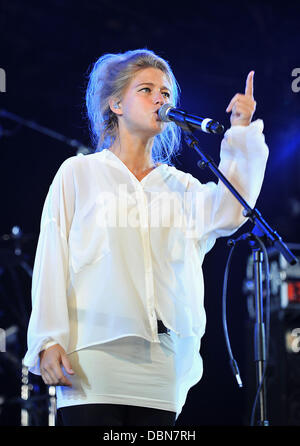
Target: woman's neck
{"type": "Point", "coordinates": [134, 153]}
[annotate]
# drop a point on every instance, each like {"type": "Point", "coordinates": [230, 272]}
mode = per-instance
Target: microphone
{"type": "Point", "coordinates": [168, 113]}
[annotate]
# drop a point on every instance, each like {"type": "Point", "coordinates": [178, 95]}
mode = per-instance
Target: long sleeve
{"type": "Point", "coordinates": [49, 317]}
{"type": "Point", "coordinates": [243, 159]}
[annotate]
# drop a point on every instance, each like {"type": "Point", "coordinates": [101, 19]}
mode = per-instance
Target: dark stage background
{"type": "Point", "coordinates": [46, 50]}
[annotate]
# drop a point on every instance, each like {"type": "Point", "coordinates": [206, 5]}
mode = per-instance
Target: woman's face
{"type": "Point", "coordinates": [147, 91]}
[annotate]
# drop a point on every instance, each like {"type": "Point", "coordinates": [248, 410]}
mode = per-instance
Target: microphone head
{"type": "Point", "coordinates": [164, 111]}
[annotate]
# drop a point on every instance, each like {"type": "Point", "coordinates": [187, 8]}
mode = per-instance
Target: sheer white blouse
{"type": "Point", "coordinates": [115, 253]}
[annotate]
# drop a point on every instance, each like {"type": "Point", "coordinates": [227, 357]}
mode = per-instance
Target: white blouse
{"type": "Point", "coordinates": [115, 253]}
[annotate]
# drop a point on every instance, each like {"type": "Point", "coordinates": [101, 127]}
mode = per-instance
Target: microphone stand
{"type": "Point", "coordinates": [261, 227]}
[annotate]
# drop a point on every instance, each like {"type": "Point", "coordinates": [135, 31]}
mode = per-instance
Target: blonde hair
{"type": "Point", "coordinates": [108, 79]}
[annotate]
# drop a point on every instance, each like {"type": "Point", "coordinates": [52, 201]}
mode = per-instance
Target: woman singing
{"type": "Point", "coordinates": [117, 288]}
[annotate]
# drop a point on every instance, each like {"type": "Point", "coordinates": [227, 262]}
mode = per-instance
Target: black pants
{"type": "Point", "coordinates": [113, 415]}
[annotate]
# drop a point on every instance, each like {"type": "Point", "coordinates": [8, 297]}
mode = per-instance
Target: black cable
{"type": "Point", "coordinates": [232, 361]}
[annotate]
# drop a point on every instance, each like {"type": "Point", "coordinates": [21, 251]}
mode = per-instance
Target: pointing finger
{"type": "Point", "coordinates": [249, 84]}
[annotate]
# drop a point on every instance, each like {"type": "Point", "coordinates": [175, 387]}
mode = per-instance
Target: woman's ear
{"type": "Point", "coordinates": [115, 106]}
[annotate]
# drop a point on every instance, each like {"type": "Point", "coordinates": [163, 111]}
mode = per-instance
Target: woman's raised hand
{"type": "Point", "coordinates": [243, 106]}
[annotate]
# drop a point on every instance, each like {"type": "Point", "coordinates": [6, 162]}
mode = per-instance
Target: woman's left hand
{"type": "Point", "coordinates": [243, 106]}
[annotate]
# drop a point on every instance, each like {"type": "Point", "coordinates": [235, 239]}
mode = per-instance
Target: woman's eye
{"type": "Point", "coordinates": [164, 93]}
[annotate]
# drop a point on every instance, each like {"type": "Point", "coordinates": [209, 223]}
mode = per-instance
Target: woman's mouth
{"type": "Point", "coordinates": [157, 116]}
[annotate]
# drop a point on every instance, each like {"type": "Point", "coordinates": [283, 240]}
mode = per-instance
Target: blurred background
{"type": "Point", "coordinates": [46, 51]}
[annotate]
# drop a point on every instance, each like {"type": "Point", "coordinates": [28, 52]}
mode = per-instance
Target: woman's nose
{"type": "Point", "coordinates": [159, 98]}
